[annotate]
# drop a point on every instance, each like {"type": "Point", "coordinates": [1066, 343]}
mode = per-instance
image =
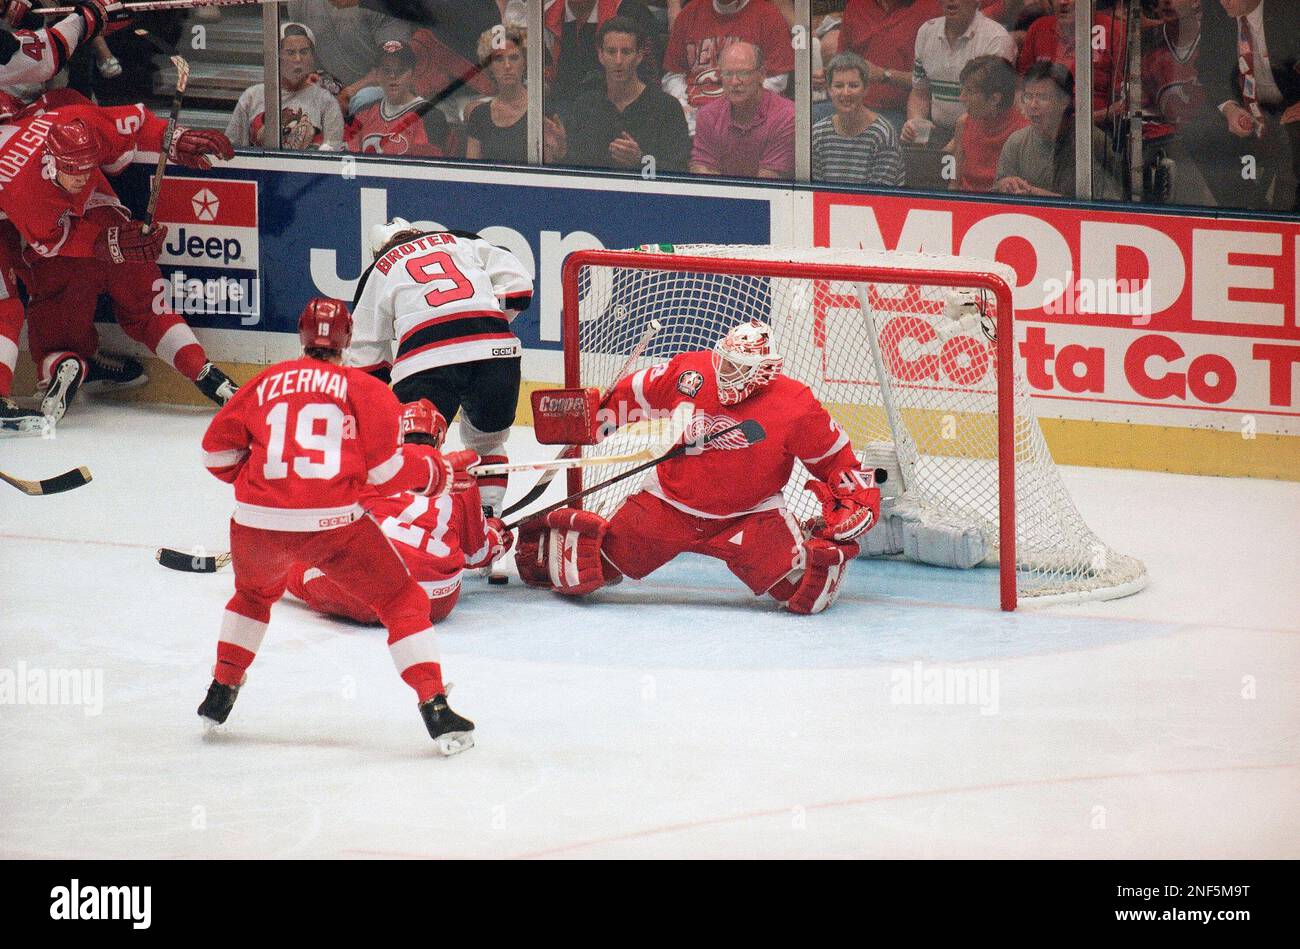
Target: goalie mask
{"type": "Point", "coordinates": [744, 361]}
{"type": "Point", "coordinates": [422, 424]}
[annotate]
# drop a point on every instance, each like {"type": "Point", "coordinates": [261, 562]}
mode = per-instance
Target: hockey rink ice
{"type": "Point", "coordinates": [675, 717]}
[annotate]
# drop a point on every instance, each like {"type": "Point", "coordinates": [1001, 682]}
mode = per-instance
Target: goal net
{"type": "Point", "coordinates": [912, 354]}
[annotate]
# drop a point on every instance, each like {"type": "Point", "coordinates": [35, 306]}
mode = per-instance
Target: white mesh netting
{"type": "Point", "coordinates": [907, 367]}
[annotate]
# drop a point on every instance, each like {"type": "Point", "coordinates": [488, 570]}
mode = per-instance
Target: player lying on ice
{"type": "Point", "coordinates": [302, 442]}
{"type": "Point", "coordinates": [437, 538]}
{"type": "Point", "coordinates": [726, 501]}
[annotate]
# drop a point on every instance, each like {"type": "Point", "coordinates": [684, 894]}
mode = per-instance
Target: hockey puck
{"type": "Point", "coordinates": [498, 580]}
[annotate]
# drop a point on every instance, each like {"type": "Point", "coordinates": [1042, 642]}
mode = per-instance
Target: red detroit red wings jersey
{"type": "Point", "coordinates": [304, 439]}
{"type": "Point", "coordinates": [436, 537]}
{"type": "Point", "coordinates": [700, 32]}
{"type": "Point", "coordinates": [52, 221]}
{"type": "Point", "coordinates": [728, 479]}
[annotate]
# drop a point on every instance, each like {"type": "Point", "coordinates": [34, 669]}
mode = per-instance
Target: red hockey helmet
{"type": "Point", "coordinates": [422, 418]}
{"type": "Point", "coordinates": [73, 148]}
{"type": "Point", "coordinates": [325, 323]}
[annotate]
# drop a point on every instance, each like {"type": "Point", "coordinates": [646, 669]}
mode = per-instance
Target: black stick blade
{"type": "Point", "coordinates": [190, 563]}
{"type": "Point", "coordinates": [66, 481]}
{"type": "Point", "coordinates": [752, 431]}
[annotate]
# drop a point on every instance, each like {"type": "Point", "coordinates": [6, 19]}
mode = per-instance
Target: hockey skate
{"type": "Point", "coordinates": [215, 384]}
{"type": "Point", "coordinates": [64, 382]}
{"type": "Point", "coordinates": [16, 421]}
{"type": "Point", "coordinates": [452, 733]}
{"type": "Point", "coordinates": [218, 703]}
{"type": "Point", "coordinates": [109, 372]}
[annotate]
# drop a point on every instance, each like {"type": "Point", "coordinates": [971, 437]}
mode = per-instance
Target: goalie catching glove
{"type": "Point", "coordinates": [128, 243]}
{"type": "Point", "coordinates": [850, 504]}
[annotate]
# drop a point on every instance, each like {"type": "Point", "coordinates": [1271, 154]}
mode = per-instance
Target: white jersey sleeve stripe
{"type": "Point", "coordinates": [387, 470]}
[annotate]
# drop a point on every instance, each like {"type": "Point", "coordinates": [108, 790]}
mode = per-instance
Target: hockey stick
{"type": "Point", "coordinates": [191, 563]}
{"type": "Point", "coordinates": [182, 78]}
{"type": "Point", "coordinates": [64, 482]}
{"type": "Point", "coordinates": [544, 482]}
{"type": "Point", "coordinates": [749, 429]}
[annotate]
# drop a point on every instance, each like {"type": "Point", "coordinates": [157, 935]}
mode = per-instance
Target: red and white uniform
{"type": "Point", "coordinates": [59, 230]}
{"type": "Point", "coordinates": [436, 300]}
{"type": "Point", "coordinates": [35, 56]}
{"type": "Point", "coordinates": [302, 442]}
{"type": "Point", "coordinates": [699, 35]}
{"type": "Point", "coordinates": [437, 539]}
{"type": "Point", "coordinates": [379, 129]}
{"type": "Point", "coordinates": [726, 502]}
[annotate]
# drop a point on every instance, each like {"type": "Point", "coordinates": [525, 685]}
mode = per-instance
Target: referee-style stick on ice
{"type": "Point", "coordinates": [571, 451]}
{"type": "Point", "coordinates": [64, 482]}
{"type": "Point", "coordinates": [750, 430]}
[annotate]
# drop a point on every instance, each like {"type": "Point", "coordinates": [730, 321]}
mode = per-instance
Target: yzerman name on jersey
{"type": "Point", "coordinates": [212, 234]}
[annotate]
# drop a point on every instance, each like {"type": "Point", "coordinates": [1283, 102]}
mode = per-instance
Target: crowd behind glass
{"type": "Point", "coordinates": [935, 95]}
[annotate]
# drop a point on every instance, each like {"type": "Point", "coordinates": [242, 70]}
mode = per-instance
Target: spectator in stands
{"type": "Point", "coordinates": [1039, 158]}
{"type": "Point", "coordinates": [988, 93]}
{"type": "Point", "coordinates": [309, 116]}
{"type": "Point", "coordinates": [1050, 39]}
{"type": "Point", "coordinates": [883, 32]}
{"type": "Point", "coordinates": [854, 145]}
{"type": "Point", "coordinates": [348, 40]}
{"type": "Point", "coordinates": [626, 122]}
{"type": "Point", "coordinates": [401, 123]}
{"type": "Point", "coordinates": [570, 38]}
{"type": "Point", "coordinates": [944, 46]}
{"type": "Point", "coordinates": [703, 29]}
{"type": "Point", "coordinates": [1254, 99]}
{"type": "Point", "coordinates": [497, 130]}
{"type": "Point", "coordinates": [749, 132]}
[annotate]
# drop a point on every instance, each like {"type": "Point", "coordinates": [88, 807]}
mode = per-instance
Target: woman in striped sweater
{"type": "Point", "coordinates": [854, 145]}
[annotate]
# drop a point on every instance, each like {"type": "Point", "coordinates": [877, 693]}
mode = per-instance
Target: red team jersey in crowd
{"type": "Point", "coordinates": [728, 479]}
{"type": "Point", "coordinates": [408, 132]}
{"type": "Point", "coordinates": [52, 221]}
{"type": "Point", "coordinates": [700, 32]}
{"type": "Point", "coordinates": [303, 440]}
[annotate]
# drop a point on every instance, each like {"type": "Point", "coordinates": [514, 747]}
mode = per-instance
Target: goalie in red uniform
{"type": "Point", "coordinates": [437, 538]}
{"type": "Point", "coordinates": [726, 501]}
{"type": "Point", "coordinates": [79, 242]}
{"type": "Point", "coordinates": [301, 442]}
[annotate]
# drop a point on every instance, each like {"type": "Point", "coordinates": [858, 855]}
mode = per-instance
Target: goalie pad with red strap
{"type": "Point", "coordinates": [566, 416]}
{"type": "Point", "coordinates": [563, 553]}
{"type": "Point", "coordinates": [826, 564]}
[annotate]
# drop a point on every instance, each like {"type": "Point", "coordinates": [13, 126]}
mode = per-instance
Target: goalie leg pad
{"type": "Point", "coordinates": [826, 564]}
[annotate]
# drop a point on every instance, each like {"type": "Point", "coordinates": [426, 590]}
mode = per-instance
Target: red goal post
{"type": "Point", "coordinates": [877, 371]}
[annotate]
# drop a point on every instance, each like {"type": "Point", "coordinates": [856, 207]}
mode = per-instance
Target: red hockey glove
{"type": "Point", "coordinates": [448, 473]}
{"type": "Point", "coordinates": [94, 15]}
{"type": "Point", "coordinates": [193, 147]}
{"type": "Point", "coordinates": [499, 539]}
{"type": "Point", "coordinates": [530, 555]}
{"type": "Point", "coordinates": [128, 243]}
{"type": "Point", "coordinates": [13, 11]}
{"type": "Point", "coordinates": [850, 503]}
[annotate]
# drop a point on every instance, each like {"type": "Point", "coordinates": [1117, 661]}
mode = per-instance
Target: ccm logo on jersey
{"type": "Point", "coordinates": [506, 351]}
{"type": "Point", "coordinates": [338, 521]}
{"type": "Point", "coordinates": [689, 382]}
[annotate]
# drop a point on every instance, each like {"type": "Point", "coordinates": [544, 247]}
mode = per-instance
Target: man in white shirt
{"type": "Point", "coordinates": [944, 46]}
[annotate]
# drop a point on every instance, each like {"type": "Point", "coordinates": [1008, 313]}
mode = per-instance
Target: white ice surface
{"type": "Point", "coordinates": [673, 717]}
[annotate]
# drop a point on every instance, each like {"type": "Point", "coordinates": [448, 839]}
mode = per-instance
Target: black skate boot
{"type": "Point", "coordinates": [215, 384]}
{"type": "Point", "coordinates": [218, 702]}
{"type": "Point", "coordinates": [64, 382]}
{"type": "Point", "coordinates": [451, 732]}
{"type": "Point", "coordinates": [108, 372]}
{"type": "Point", "coordinates": [16, 421]}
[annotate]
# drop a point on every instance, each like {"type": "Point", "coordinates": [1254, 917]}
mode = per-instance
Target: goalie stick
{"type": "Point", "coordinates": [64, 482]}
{"type": "Point", "coordinates": [544, 482]}
{"type": "Point", "coordinates": [749, 428]}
